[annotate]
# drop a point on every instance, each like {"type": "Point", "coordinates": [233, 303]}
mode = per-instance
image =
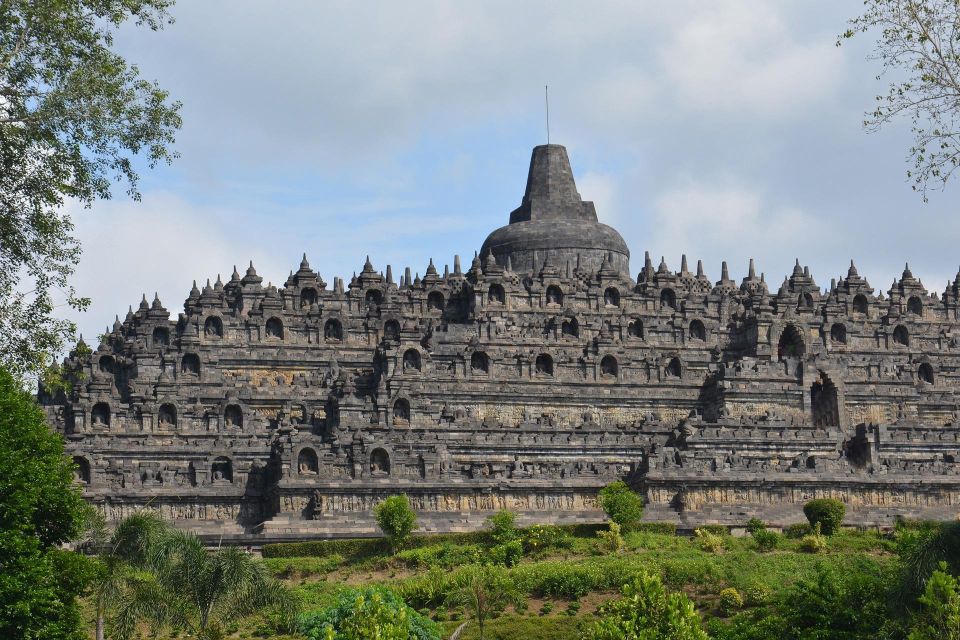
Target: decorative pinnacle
{"type": "Point", "coordinates": [724, 271]}
{"type": "Point", "coordinates": [304, 265]}
{"type": "Point", "coordinates": [700, 273]}
{"type": "Point", "coordinates": [751, 271]}
{"type": "Point", "coordinates": [852, 271]}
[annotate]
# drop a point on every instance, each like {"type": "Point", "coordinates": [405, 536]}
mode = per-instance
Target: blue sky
{"type": "Point", "coordinates": [724, 130]}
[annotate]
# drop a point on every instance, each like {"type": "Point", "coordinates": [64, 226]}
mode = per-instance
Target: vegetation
{"type": "Point", "coordinates": [826, 512]}
{"type": "Point", "coordinates": [360, 614]}
{"type": "Point", "coordinates": [396, 519]}
{"type": "Point", "coordinates": [647, 612]}
{"type": "Point", "coordinates": [40, 509]}
{"type": "Point", "coordinates": [622, 504]}
{"type": "Point", "coordinates": [74, 117]}
{"type": "Point", "coordinates": [917, 47]}
{"type": "Point", "coordinates": [484, 590]}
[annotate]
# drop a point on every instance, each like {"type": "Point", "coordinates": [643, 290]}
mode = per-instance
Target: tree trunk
{"type": "Point", "coordinates": [100, 634]}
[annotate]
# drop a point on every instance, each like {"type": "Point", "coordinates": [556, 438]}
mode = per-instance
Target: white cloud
{"type": "Point", "coordinates": [601, 189]}
{"type": "Point", "coordinates": [741, 57]}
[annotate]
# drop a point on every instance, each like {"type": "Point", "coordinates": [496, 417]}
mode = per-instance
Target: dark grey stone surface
{"type": "Point", "coordinates": [526, 382]}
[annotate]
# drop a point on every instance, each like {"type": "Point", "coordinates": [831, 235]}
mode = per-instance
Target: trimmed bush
{"type": "Point", "coordinates": [816, 542]}
{"type": "Point", "coordinates": [826, 511]}
{"type": "Point", "coordinates": [621, 503]}
{"type": "Point", "coordinates": [396, 519]}
{"type": "Point", "coordinates": [730, 601]}
{"type": "Point", "coordinates": [798, 530]}
{"type": "Point", "coordinates": [755, 524]}
{"type": "Point", "coordinates": [766, 540]}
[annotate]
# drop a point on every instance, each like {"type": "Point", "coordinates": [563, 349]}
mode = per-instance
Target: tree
{"type": "Point", "coordinates": [922, 549]}
{"type": "Point", "coordinates": [74, 117]}
{"type": "Point", "coordinates": [484, 590]}
{"type": "Point", "coordinates": [396, 519]}
{"type": "Point", "coordinates": [939, 618]}
{"type": "Point", "coordinates": [40, 509]}
{"type": "Point", "coordinates": [200, 589]}
{"type": "Point", "coordinates": [918, 45]}
{"type": "Point", "coordinates": [826, 512]}
{"type": "Point", "coordinates": [621, 504]}
{"type": "Point", "coordinates": [374, 612]}
{"type": "Point", "coordinates": [122, 580]}
{"type": "Point", "coordinates": [647, 612]}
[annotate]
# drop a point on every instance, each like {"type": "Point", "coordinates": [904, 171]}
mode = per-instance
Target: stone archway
{"type": "Point", "coordinates": [824, 402]}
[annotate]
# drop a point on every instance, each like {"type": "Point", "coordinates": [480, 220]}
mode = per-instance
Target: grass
{"type": "Point", "coordinates": [579, 569]}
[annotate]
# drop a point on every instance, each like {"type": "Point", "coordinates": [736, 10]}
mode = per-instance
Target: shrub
{"type": "Point", "coordinates": [663, 528]}
{"type": "Point", "coordinates": [444, 555]}
{"type": "Point", "coordinates": [546, 608]}
{"type": "Point", "coordinates": [730, 601]}
{"type": "Point", "coordinates": [757, 594]}
{"type": "Point", "coordinates": [814, 542]}
{"type": "Point", "coordinates": [367, 613]}
{"type": "Point", "coordinates": [502, 526]}
{"type": "Point", "coordinates": [541, 538]}
{"type": "Point", "coordinates": [798, 530]}
{"type": "Point", "coordinates": [939, 616]}
{"type": "Point", "coordinates": [716, 529]}
{"type": "Point", "coordinates": [646, 607]}
{"type": "Point", "coordinates": [508, 554]}
{"type": "Point", "coordinates": [484, 591]}
{"type": "Point", "coordinates": [396, 519]}
{"type": "Point", "coordinates": [766, 540]}
{"type": "Point", "coordinates": [573, 608]}
{"type": "Point", "coordinates": [621, 504]}
{"type": "Point", "coordinates": [827, 512]}
{"type": "Point", "coordinates": [710, 542]}
{"type": "Point", "coordinates": [612, 537]}
{"type": "Point", "coordinates": [755, 524]}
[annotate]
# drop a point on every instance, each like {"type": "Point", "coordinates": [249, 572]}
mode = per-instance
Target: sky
{"type": "Point", "coordinates": [724, 130]}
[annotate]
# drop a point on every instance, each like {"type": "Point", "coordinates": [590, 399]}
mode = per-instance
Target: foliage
{"type": "Point", "coordinates": [664, 528]}
{"type": "Point", "coordinates": [621, 504]}
{"type": "Point", "coordinates": [543, 537]}
{"type": "Point", "coordinates": [730, 600]}
{"type": "Point", "coordinates": [842, 603]}
{"type": "Point", "coordinates": [939, 617]}
{"type": "Point", "coordinates": [710, 542]}
{"type": "Point", "coordinates": [396, 519]}
{"type": "Point", "coordinates": [815, 542]}
{"type": "Point", "coordinates": [647, 612]}
{"type": "Point", "coordinates": [917, 47]}
{"type": "Point", "coordinates": [40, 509]}
{"type": "Point", "coordinates": [446, 554]}
{"type": "Point", "coordinates": [74, 116]}
{"type": "Point", "coordinates": [798, 530]}
{"type": "Point", "coordinates": [766, 540]}
{"type": "Point", "coordinates": [503, 526]}
{"type": "Point", "coordinates": [922, 547]}
{"type": "Point", "coordinates": [755, 524]}
{"type": "Point", "coordinates": [826, 512]}
{"type": "Point", "coordinates": [508, 554]}
{"type": "Point", "coordinates": [374, 612]}
{"type": "Point", "coordinates": [612, 537]}
{"type": "Point", "coordinates": [200, 590]}
{"type": "Point", "coordinates": [484, 590]}
{"type": "Point", "coordinates": [303, 567]}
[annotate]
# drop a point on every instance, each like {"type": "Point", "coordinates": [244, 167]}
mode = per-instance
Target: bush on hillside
{"type": "Point", "coordinates": [374, 612]}
{"type": "Point", "coordinates": [826, 511]}
{"type": "Point", "coordinates": [396, 519]}
{"type": "Point", "coordinates": [622, 504]}
{"type": "Point", "coordinates": [502, 526]}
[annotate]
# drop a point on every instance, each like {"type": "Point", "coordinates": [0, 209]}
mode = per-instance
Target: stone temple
{"type": "Point", "coordinates": [526, 381]}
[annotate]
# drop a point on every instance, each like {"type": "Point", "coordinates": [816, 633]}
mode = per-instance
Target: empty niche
{"type": "Point", "coordinates": [674, 368]}
{"type": "Point", "coordinates": [915, 306]}
{"type": "Point", "coordinates": [374, 298]}
{"type": "Point", "coordinates": [901, 335]}
{"type": "Point", "coordinates": [391, 330]}
{"type": "Point", "coordinates": [925, 373]}
{"type": "Point", "coordinates": [570, 327]}
{"type": "Point", "coordinates": [106, 364]}
{"type": "Point", "coordinates": [161, 337]}
{"type": "Point", "coordinates": [635, 328]}
{"type": "Point", "coordinates": [860, 304]}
